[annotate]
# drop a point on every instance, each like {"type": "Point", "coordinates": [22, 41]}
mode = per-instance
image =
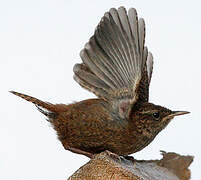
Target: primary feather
{"type": "Point", "coordinates": [115, 62]}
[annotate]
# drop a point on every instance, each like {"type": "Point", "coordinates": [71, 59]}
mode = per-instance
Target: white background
{"type": "Point", "coordinates": [40, 41]}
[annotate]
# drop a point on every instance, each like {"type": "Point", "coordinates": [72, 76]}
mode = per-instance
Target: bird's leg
{"type": "Point", "coordinates": [113, 155]}
{"type": "Point", "coordinates": [130, 158]}
{"type": "Point", "coordinates": [79, 151]}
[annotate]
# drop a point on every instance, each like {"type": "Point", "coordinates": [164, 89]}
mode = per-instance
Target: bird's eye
{"type": "Point", "coordinates": [156, 115]}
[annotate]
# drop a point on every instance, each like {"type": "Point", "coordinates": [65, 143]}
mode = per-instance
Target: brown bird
{"type": "Point", "coordinates": [116, 67]}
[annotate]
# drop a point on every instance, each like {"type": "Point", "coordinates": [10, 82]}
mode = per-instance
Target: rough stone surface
{"type": "Point", "coordinates": [107, 165]}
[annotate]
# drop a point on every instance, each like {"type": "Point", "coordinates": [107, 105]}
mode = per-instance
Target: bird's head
{"type": "Point", "coordinates": [150, 119]}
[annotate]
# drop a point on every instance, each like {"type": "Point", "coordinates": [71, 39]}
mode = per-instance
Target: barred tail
{"type": "Point", "coordinates": [46, 108]}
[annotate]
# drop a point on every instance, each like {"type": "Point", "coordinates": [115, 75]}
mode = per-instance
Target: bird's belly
{"type": "Point", "coordinates": [96, 138]}
{"type": "Point", "coordinates": [117, 142]}
{"type": "Point", "coordinates": [129, 146]}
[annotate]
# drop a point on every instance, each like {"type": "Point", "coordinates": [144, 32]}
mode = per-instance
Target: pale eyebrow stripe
{"type": "Point", "coordinates": [147, 112]}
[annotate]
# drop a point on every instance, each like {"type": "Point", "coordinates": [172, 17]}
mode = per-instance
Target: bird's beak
{"type": "Point", "coordinates": [178, 113]}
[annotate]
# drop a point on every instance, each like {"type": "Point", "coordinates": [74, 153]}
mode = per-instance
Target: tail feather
{"type": "Point", "coordinates": [46, 108]}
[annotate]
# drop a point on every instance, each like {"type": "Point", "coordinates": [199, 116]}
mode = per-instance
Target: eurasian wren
{"type": "Point", "coordinates": [116, 67]}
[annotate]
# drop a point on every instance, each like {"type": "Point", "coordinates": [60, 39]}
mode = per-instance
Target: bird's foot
{"type": "Point", "coordinates": [79, 151]}
{"type": "Point", "coordinates": [113, 155]}
{"type": "Point", "coordinates": [130, 158]}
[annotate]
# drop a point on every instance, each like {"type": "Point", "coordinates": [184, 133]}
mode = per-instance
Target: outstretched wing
{"type": "Point", "coordinates": [143, 89]}
{"type": "Point", "coordinates": [115, 62]}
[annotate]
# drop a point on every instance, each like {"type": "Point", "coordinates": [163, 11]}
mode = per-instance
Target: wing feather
{"type": "Point", "coordinates": [116, 65]}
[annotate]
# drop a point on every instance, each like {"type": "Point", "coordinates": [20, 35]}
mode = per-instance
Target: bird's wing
{"type": "Point", "coordinates": [143, 89]}
{"type": "Point", "coordinates": [116, 65]}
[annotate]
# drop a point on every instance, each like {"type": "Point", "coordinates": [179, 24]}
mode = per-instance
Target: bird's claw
{"type": "Point", "coordinates": [113, 155]}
